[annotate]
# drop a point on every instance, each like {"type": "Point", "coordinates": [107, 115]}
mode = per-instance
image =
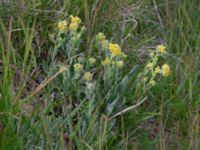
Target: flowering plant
{"type": "Point", "coordinates": [94, 85]}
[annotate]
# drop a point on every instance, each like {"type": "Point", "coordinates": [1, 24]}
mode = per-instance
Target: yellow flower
{"type": "Point", "coordinates": [149, 65]}
{"type": "Point", "coordinates": [73, 26]}
{"type": "Point", "coordinates": [157, 70]}
{"type": "Point", "coordinates": [161, 48]}
{"type": "Point", "coordinates": [92, 60]}
{"type": "Point", "coordinates": [153, 82]}
{"type": "Point", "coordinates": [75, 19]}
{"type": "Point", "coordinates": [120, 64]}
{"type": "Point", "coordinates": [62, 26]}
{"type": "Point", "coordinates": [78, 67]}
{"type": "Point", "coordinates": [115, 49]}
{"type": "Point", "coordinates": [101, 37]}
{"type": "Point", "coordinates": [106, 61]}
{"type": "Point", "coordinates": [165, 70]}
{"type": "Point", "coordinates": [87, 76]}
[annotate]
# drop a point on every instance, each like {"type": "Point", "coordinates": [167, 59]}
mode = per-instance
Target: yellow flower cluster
{"type": "Point", "coordinates": [161, 48]}
{"type": "Point", "coordinates": [153, 69]}
{"type": "Point", "coordinates": [101, 37]}
{"type": "Point", "coordinates": [106, 62]}
{"type": "Point", "coordinates": [73, 26]}
{"type": "Point", "coordinates": [87, 76]}
{"type": "Point", "coordinates": [78, 67]}
{"type": "Point", "coordinates": [116, 50]}
{"type": "Point", "coordinates": [149, 65]}
{"type": "Point", "coordinates": [62, 26]}
{"type": "Point", "coordinates": [120, 63]}
{"type": "Point", "coordinates": [166, 70]}
{"type": "Point", "coordinates": [157, 70]}
{"type": "Point", "coordinates": [75, 21]}
{"type": "Point", "coordinates": [92, 60]}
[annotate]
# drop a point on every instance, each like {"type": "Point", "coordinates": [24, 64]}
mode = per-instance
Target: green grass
{"type": "Point", "coordinates": [41, 109]}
